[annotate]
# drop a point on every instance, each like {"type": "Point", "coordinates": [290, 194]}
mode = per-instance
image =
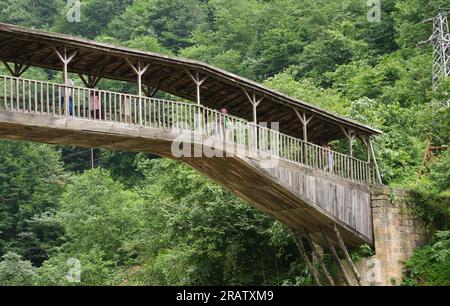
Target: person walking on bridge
{"type": "Point", "coordinates": [329, 158]}
{"type": "Point", "coordinates": [94, 105]}
{"type": "Point", "coordinates": [69, 90]}
{"type": "Point", "coordinates": [125, 105]}
{"type": "Point", "coordinates": [223, 125]}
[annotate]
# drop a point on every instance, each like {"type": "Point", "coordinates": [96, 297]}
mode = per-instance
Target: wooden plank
{"type": "Point", "coordinates": [336, 256]}
{"type": "Point", "coordinates": [346, 254]}
{"type": "Point", "coordinates": [319, 258]}
{"type": "Point", "coordinates": [311, 268]}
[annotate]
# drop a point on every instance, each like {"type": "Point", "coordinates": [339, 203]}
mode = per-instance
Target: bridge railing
{"type": "Point", "coordinates": [46, 98]}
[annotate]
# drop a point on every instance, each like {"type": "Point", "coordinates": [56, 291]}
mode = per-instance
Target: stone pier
{"type": "Point", "coordinates": [397, 233]}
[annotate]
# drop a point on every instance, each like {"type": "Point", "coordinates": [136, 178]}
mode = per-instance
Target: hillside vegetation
{"type": "Point", "coordinates": [138, 219]}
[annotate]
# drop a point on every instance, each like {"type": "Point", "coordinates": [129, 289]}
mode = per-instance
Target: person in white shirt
{"type": "Point", "coordinates": [70, 84]}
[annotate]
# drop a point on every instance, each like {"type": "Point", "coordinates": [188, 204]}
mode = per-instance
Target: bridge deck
{"type": "Point", "coordinates": [279, 175]}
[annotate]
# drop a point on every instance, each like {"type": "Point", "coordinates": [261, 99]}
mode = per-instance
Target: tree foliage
{"type": "Point", "coordinates": [141, 220]}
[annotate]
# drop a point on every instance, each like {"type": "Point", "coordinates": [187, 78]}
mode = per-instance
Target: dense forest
{"type": "Point", "coordinates": [137, 219]}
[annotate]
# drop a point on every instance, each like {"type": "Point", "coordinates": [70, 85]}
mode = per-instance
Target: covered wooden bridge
{"type": "Point", "coordinates": [273, 145]}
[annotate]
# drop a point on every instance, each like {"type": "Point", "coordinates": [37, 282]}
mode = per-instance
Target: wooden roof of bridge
{"type": "Point", "coordinates": [221, 89]}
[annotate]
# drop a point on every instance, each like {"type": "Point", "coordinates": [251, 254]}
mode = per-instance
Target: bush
{"type": "Point", "coordinates": [430, 264]}
{"type": "Point", "coordinates": [14, 271]}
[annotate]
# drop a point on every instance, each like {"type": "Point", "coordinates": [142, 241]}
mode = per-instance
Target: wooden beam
{"type": "Point", "coordinates": [8, 67]}
{"type": "Point", "coordinates": [6, 43]}
{"type": "Point", "coordinates": [138, 70]}
{"type": "Point", "coordinates": [346, 254]}
{"type": "Point", "coordinates": [91, 81]}
{"type": "Point", "coordinates": [212, 93]}
{"type": "Point", "coordinates": [377, 170]}
{"type": "Point", "coordinates": [18, 70]}
{"type": "Point", "coordinates": [30, 54]}
{"type": "Point", "coordinates": [335, 255]}
{"type": "Point", "coordinates": [365, 140]}
{"type": "Point", "coordinates": [82, 78]}
{"type": "Point", "coordinates": [196, 78]}
{"type": "Point", "coordinates": [319, 258]}
{"type": "Point", "coordinates": [43, 59]}
{"type": "Point", "coordinates": [301, 249]}
{"type": "Point", "coordinates": [254, 102]}
{"type": "Point", "coordinates": [198, 82]}
{"type": "Point", "coordinates": [350, 136]}
{"type": "Point", "coordinates": [305, 121]}
{"type": "Point", "coordinates": [150, 90]}
{"type": "Point", "coordinates": [63, 57]}
{"type": "Point", "coordinates": [121, 66]}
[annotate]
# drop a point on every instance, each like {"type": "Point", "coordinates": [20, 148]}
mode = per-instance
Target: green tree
{"type": "Point", "coordinates": [31, 183]}
{"type": "Point", "coordinates": [196, 233]}
{"type": "Point", "coordinates": [172, 22]}
{"type": "Point", "coordinates": [95, 15]}
{"type": "Point", "coordinates": [62, 270]}
{"type": "Point", "coordinates": [14, 271]}
{"type": "Point", "coordinates": [30, 13]}
{"type": "Point", "coordinates": [98, 212]}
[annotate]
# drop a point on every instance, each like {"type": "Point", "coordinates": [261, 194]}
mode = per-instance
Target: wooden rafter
{"type": "Point", "coordinates": [336, 256]}
{"type": "Point", "coordinates": [319, 258]}
{"type": "Point", "coordinates": [346, 254]}
{"type": "Point", "coordinates": [311, 268]}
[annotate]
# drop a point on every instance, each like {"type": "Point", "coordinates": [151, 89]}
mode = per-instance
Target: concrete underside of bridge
{"type": "Point", "coordinates": [296, 195]}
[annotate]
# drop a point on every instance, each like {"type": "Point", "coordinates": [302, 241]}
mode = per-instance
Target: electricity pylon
{"type": "Point", "coordinates": [441, 50]}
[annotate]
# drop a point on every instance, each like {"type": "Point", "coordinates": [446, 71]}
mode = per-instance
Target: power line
{"type": "Point", "coordinates": [377, 83]}
{"type": "Point", "coordinates": [84, 162]}
{"type": "Point", "coordinates": [74, 154]}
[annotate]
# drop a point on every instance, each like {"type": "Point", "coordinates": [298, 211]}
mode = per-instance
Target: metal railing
{"type": "Point", "coordinates": [46, 98]}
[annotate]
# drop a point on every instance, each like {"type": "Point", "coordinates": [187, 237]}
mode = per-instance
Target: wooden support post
{"type": "Point", "coordinates": [365, 139]}
{"type": "Point", "coordinates": [319, 258]}
{"type": "Point", "coordinates": [305, 120]}
{"type": "Point", "coordinates": [198, 83]}
{"type": "Point", "coordinates": [18, 70]}
{"type": "Point", "coordinates": [139, 71]}
{"type": "Point", "coordinates": [254, 101]}
{"type": "Point", "coordinates": [301, 249]}
{"type": "Point", "coordinates": [91, 81]}
{"type": "Point", "coordinates": [346, 254]}
{"type": "Point", "coordinates": [377, 170]}
{"type": "Point", "coordinates": [151, 90]}
{"type": "Point", "coordinates": [350, 136]}
{"type": "Point", "coordinates": [336, 256]}
{"type": "Point", "coordinates": [65, 60]}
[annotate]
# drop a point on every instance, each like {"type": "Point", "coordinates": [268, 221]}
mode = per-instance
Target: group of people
{"type": "Point", "coordinates": [94, 103]}
{"type": "Point", "coordinates": [223, 129]}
